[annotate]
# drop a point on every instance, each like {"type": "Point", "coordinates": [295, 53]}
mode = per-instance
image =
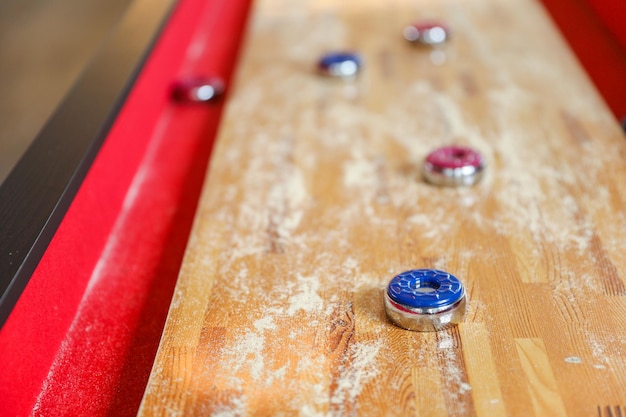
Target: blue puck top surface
{"type": "Point", "coordinates": [425, 288]}
{"type": "Point", "coordinates": [333, 58]}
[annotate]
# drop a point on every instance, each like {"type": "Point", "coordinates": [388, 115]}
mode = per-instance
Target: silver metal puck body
{"type": "Point", "coordinates": [427, 33]}
{"type": "Point", "coordinates": [425, 300]}
{"type": "Point", "coordinates": [454, 166]}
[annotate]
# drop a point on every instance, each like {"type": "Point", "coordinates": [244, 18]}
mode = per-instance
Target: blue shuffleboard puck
{"type": "Point", "coordinates": [425, 300]}
{"type": "Point", "coordinates": [340, 64]}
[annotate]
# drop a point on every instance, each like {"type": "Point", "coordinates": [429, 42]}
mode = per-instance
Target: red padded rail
{"type": "Point", "coordinates": [596, 32]}
{"type": "Point", "coordinates": [613, 14]}
{"type": "Point", "coordinates": [82, 337]}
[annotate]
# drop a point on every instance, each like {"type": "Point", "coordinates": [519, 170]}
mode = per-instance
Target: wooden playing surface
{"type": "Point", "coordinates": [314, 201]}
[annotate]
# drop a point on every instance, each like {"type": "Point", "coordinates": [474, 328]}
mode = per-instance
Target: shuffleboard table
{"type": "Point", "coordinates": [315, 199]}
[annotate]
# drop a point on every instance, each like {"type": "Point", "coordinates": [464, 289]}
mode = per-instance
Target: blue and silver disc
{"type": "Point", "coordinates": [340, 64]}
{"type": "Point", "coordinates": [425, 300]}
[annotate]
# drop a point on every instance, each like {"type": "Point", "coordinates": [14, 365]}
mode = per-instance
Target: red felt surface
{"type": "Point", "coordinates": [82, 338]}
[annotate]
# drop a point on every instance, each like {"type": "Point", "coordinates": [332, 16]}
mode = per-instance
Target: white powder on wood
{"type": "Point", "coordinates": [454, 384]}
{"type": "Point", "coordinates": [361, 369]}
{"type": "Point", "coordinates": [235, 408]}
{"type": "Point", "coordinates": [305, 296]}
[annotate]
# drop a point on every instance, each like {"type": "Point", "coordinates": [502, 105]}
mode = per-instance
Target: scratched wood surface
{"type": "Point", "coordinates": [314, 201]}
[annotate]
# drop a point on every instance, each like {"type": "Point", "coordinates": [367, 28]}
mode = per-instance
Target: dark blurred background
{"type": "Point", "coordinates": [44, 45]}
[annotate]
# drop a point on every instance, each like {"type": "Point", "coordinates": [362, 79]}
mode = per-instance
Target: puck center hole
{"type": "Point", "coordinates": [427, 286]}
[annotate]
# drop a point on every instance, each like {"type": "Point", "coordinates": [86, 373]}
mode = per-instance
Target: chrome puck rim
{"type": "Point", "coordinates": [426, 33]}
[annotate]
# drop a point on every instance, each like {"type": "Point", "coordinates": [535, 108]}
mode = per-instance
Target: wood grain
{"type": "Point", "coordinates": [314, 201]}
{"type": "Point", "coordinates": [536, 365]}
